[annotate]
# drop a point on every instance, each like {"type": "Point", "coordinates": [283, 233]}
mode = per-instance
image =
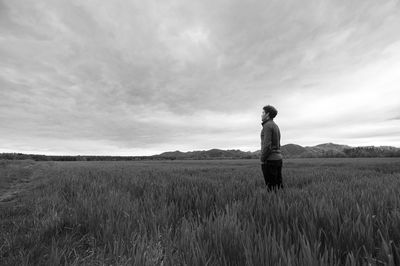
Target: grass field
{"type": "Point", "coordinates": [331, 212]}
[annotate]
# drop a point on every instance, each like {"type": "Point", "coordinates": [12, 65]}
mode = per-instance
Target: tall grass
{"type": "Point", "coordinates": [331, 212]}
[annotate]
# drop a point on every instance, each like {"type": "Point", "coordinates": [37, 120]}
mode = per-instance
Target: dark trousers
{"type": "Point", "coordinates": [272, 171]}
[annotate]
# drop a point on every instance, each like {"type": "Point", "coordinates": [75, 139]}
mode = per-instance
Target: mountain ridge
{"type": "Point", "coordinates": [324, 150]}
{"type": "Point", "coordinates": [290, 151]}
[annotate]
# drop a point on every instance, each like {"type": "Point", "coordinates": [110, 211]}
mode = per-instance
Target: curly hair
{"type": "Point", "coordinates": [271, 110]}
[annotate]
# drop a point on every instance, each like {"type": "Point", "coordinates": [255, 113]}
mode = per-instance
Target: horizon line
{"type": "Point", "coordinates": [43, 154]}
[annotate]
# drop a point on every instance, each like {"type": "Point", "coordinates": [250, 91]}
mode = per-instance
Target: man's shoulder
{"type": "Point", "coordinates": [269, 123]}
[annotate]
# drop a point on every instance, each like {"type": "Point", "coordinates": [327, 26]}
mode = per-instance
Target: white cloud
{"type": "Point", "coordinates": [108, 77]}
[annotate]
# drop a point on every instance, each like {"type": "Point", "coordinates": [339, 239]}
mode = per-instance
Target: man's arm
{"type": "Point", "coordinates": [266, 148]}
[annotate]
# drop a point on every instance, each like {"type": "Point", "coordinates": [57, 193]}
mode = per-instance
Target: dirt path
{"type": "Point", "coordinates": [16, 177]}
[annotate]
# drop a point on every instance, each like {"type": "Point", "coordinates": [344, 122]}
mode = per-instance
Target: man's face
{"type": "Point", "coordinates": [264, 116]}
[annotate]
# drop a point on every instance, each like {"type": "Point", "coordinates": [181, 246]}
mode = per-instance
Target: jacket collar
{"type": "Point", "coordinates": [265, 121]}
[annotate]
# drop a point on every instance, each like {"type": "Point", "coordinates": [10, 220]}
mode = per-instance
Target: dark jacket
{"type": "Point", "coordinates": [270, 141]}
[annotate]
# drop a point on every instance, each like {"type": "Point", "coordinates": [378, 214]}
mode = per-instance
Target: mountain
{"type": "Point", "coordinates": [175, 154]}
{"type": "Point", "coordinates": [291, 150]}
{"type": "Point", "coordinates": [209, 154]}
{"type": "Point", "coordinates": [332, 146]}
{"type": "Point", "coordinates": [325, 150]}
{"type": "Point", "coordinates": [321, 150]}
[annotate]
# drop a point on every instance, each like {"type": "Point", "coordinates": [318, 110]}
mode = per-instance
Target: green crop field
{"type": "Point", "coordinates": [331, 212]}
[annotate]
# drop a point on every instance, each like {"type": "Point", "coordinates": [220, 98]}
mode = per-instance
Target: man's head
{"type": "Point", "coordinates": [269, 112]}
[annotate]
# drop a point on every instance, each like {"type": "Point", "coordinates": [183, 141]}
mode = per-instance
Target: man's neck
{"type": "Point", "coordinates": [266, 120]}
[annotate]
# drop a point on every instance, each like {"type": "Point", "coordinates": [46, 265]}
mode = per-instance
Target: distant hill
{"type": "Point", "coordinates": [176, 154]}
{"type": "Point", "coordinates": [209, 154]}
{"type": "Point", "coordinates": [325, 150]}
{"type": "Point", "coordinates": [290, 150]}
{"type": "Point", "coordinates": [332, 146]}
{"type": "Point", "coordinates": [321, 150]}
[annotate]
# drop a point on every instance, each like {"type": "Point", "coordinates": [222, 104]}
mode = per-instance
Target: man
{"type": "Point", "coordinates": [271, 157]}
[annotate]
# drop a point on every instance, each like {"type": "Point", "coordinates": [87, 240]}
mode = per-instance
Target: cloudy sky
{"type": "Point", "coordinates": [142, 77]}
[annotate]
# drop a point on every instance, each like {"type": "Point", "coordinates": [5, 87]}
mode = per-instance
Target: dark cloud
{"type": "Point", "coordinates": [153, 75]}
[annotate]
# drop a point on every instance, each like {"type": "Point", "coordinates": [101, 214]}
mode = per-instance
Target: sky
{"type": "Point", "coordinates": [143, 77]}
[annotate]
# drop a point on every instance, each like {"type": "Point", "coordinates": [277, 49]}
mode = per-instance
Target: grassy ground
{"type": "Point", "coordinates": [331, 212]}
